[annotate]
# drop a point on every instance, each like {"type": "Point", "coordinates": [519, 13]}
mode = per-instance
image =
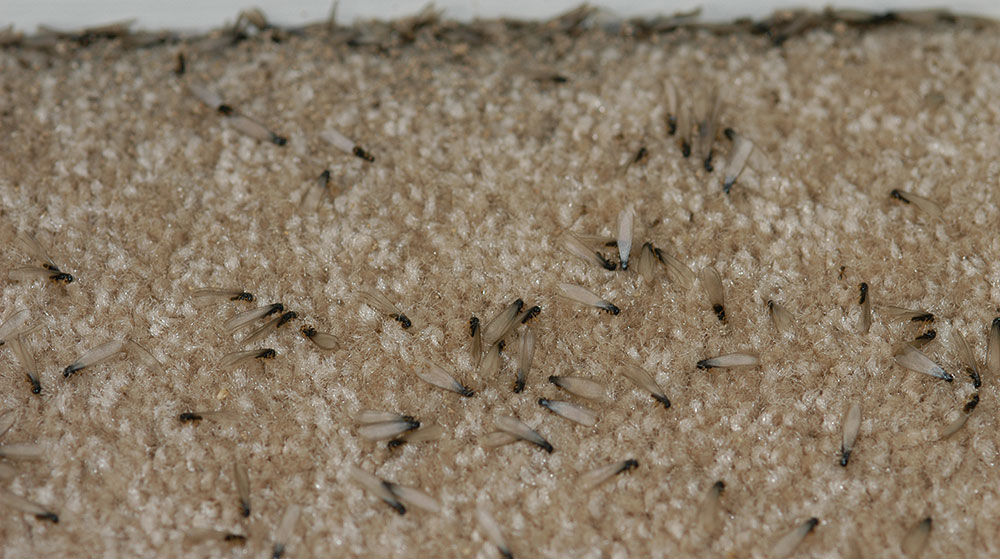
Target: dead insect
{"type": "Point", "coordinates": [626, 219]}
{"type": "Point", "coordinates": [284, 531]}
{"type": "Point", "coordinates": [641, 378]}
{"type": "Point", "coordinates": [711, 282]}
{"type": "Point", "coordinates": [572, 412]}
{"type": "Point", "coordinates": [865, 320]}
{"type": "Point", "coordinates": [239, 121]}
{"type": "Point", "coordinates": [233, 294]}
{"type": "Point", "coordinates": [586, 297]}
{"type": "Point", "coordinates": [598, 476]}
{"type": "Point", "coordinates": [242, 477]}
{"type": "Point", "coordinates": [912, 359]}
{"type": "Point", "coordinates": [516, 430]}
{"type": "Point", "coordinates": [525, 354]}
{"type": "Point", "coordinates": [924, 204]}
{"type": "Point", "coordinates": [501, 325]}
{"type": "Point", "coordinates": [852, 423]}
{"type": "Point", "coordinates": [238, 357]}
{"type": "Point", "coordinates": [95, 356]}
{"type": "Point", "coordinates": [739, 359]}
{"type": "Point", "coordinates": [19, 503]}
{"type": "Point", "coordinates": [379, 425]}
{"type": "Point", "coordinates": [47, 270]}
{"type": "Point", "coordinates": [436, 376]}
{"type": "Point", "coordinates": [271, 326]}
{"type": "Point", "coordinates": [24, 355]}
{"type": "Point", "coordinates": [323, 341]}
{"type": "Point", "coordinates": [245, 318]}
{"type": "Point", "coordinates": [345, 145]}
{"type": "Point", "coordinates": [381, 303]}
{"type": "Point", "coordinates": [787, 544]}
{"type": "Point", "coordinates": [577, 248]}
{"type": "Point", "coordinates": [491, 531]}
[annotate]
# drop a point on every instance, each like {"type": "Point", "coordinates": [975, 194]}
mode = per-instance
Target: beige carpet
{"type": "Point", "coordinates": [482, 160]}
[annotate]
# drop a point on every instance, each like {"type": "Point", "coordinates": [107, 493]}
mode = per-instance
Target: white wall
{"type": "Point", "coordinates": [206, 14]}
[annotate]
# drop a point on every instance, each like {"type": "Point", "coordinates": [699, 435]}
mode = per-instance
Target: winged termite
{"type": "Point", "coordinates": [48, 269]}
{"type": "Point", "coordinates": [344, 144]}
{"type": "Point", "coordinates": [381, 303]}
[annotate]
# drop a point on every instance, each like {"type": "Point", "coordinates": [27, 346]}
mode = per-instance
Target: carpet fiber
{"type": "Point", "coordinates": [490, 141]}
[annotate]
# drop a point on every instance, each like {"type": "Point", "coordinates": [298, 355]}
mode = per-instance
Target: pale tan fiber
{"type": "Point", "coordinates": [145, 194]}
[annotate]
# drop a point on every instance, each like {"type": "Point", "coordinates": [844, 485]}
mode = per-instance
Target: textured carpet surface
{"type": "Point", "coordinates": [482, 161]}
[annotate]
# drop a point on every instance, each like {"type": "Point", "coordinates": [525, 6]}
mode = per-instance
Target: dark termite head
{"type": "Point", "coordinates": [972, 403]}
{"type": "Point", "coordinates": [62, 277]}
{"type": "Point", "coordinates": [518, 386]}
{"type": "Point", "coordinates": [704, 364]}
{"type": "Point", "coordinates": [662, 399]}
{"type": "Point", "coordinates": [225, 110]}
{"type": "Point", "coordinates": [897, 194]}
{"type": "Point", "coordinates": [275, 308]}
{"type": "Point", "coordinates": [605, 263]}
{"type": "Point", "coordinates": [730, 134]}
{"type": "Point", "coordinates": [242, 296]}
{"type": "Point", "coordinates": [49, 516]}
{"type": "Point", "coordinates": [671, 125]}
{"type": "Point", "coordinates": [685, 149]}
{"type": "Point", "coordinates": [70, 370]}
{"type": "Point", "coordinates": [720, 312]}
{"type": "Point", "coordinates": [36, 387]}
{"type": "Point", "coordinates": [473, 326]}
{"type": "Point", "coordinates": [239, 539]}
{"type": "Point", "coordinates": [308, 331]}
{"type": "Point", "coordinates": [926, 317]}
{"type": "Point", "coordinates": [187, 417]}
{"type": "Point", "coordinates": [532, 313]}
{"type": "Point", "coordinates": [770, 304]}
{"type": "Point", "coordinates": [500, 345]}
{"type": "Point", "coordinates": [643, 152]}
{"type": "Point", "coordinates": [467, 392]}
{"type": "Point", "coordinates": [360, 152]}
{"type": "Point", "coordinates": [278, 140]}
{"type": "Point", "coordinates": [611, 309]}
{"type": "Point", "coordinates": [927, 336]}
{"type": "Point", "coordinates": [286, 318]}
{"type": "Point", "coordinates": [402, 320]}
{"type": "Point", "coordinates": [244, 509]}
{"type": "Point", "coordinates": [630, 464]}
{"type": "Point", "coordinates": [708, 163]}
{"type": "Point", "coordinates": [267, 354]}
{"type": "Point", "coordinates": [812, 522]}
{"type": "Point", "coordinates": [719, 486]}
{"type": "Point", "coordinates": [863, 289]}
{"type": "Point", "coordinates": [845, 456]}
